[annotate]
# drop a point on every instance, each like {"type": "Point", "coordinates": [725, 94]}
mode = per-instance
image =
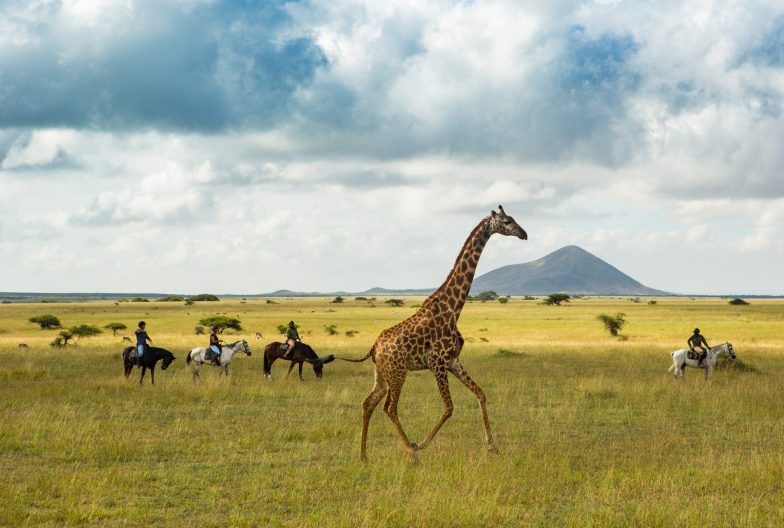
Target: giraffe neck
{"type": "Point", "coordinates": [455, 288]}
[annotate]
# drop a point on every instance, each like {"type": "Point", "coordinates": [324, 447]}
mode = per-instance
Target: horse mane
{"type": "Point", "coordinates": [308, 351]}
{"type": "Point", "coordinates": [234, 343]}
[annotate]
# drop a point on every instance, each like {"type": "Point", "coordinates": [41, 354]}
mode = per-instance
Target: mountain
{"type": "Point", "coordinates": [570, 269]}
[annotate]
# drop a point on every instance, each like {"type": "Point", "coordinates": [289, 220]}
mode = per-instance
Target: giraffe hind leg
{"type": "Point", "coordinates": [443, 387]}
{"type": "Point", "coordinates": [457, 369]}
{"type": "Point", "coordinates": [390, 407]}
{"type": "Point", "coordinates": [368, 406]}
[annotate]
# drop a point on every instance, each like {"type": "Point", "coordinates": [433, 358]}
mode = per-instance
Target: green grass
{"type": "Point", "coordinates": [592, 430]}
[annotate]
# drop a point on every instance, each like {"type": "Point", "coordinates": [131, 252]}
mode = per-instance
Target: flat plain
{"type": "Point", "coordinates": [592, 429]}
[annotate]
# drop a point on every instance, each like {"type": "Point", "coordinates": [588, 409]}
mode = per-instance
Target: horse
{"type": "Point", "coordinates": [301, 354]}
{"type": "Point", "coordinates": [197, 355]}
{"type": "Point", "coordinates": [151, 356]}
{"type": "Point", "coordinates": [680, 360]}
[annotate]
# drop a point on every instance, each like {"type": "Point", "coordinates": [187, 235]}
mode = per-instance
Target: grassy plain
{"type": "Point", "coordinates": [592, 430]}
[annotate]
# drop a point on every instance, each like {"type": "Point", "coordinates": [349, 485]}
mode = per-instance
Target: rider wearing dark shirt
{"type": "Point", "coordinates": [215, 344]}
{"type": "Point", "coordinates": [292, 336]}
{"type": "Point", "coordinates": [141, 341]}
{"type": "Point", "coordinates": [698, 341]}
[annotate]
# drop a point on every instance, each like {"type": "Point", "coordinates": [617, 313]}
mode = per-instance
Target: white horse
{"type": "Point", "coordinates": [680, 360]}
{"type": "Point", "coordinates": [198, 354]}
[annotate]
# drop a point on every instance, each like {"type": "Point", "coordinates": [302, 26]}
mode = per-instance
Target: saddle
{"type": "Point", "coordinates": [691, 354]}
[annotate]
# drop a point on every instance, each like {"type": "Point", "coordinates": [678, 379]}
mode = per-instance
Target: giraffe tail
{"type": "Point", "coordinates": [359, 360]}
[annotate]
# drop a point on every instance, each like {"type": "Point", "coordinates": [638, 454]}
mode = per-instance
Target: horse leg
{"type": "Point", "coordinates": [196, 367]}
{"type": "Point", "coordinates": [708, 371]}
{"type": "Point", "coordinates": [144, 369]}
{"type": "Point", "coordinates": [291, 367]}
{"type": "Point", "coordinates": [152, 374]}
{"type": "Point", "coordinates": [457, 369]}
{"type": "Point", "coordinates": [368, 406]}
{"type": "Point", "coordinates": [226, 370]}
{"type": "Point", "coordinates": [300, 371]}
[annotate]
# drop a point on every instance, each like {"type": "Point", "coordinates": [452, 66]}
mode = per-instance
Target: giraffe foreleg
{"type": "Point", "coordinates": [457, 369]}
{"type": "Point", "coordinates": [443, 387]}
{"type": "Point", "coordinates": [368, 406]}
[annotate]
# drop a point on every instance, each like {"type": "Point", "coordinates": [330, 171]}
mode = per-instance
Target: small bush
{"type": "Point", "coordinates": [351, 333]}
{"type": "Point", "coordinates": [331, 329]}
{"type": "Point", "coordinates": [652, 302]}
{"type": "Point", "coordinates": [738, 302]}
{"type": "Point", "coordinates": [46, 321]}
{"type": "Point", "coordinates": [270, 301]}
{"type": "Point", "coordinates": [361, 299]}
{"type": "Point", "coordinates": [635, 299]}
{"type": "Point", "coordinates": [337, 300]}
{"type": "Point", "coordinates": [503, 300]}
{"type": "Point", "coordinates": [529, 298]}
{"type": "Point", "coordinates": [140, 299]}
{"type": "Point", "coordinates": [394, 302]}
{"type": "Point", "coordinates": [613, 323]}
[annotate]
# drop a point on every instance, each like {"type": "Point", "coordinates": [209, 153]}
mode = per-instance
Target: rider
{"type": "Point", "coordinates": [215, 345]}
{"type": "Point", "coordinates": [292, 336]}
{"type": "Point", "coordinates": [141, 341]}
{"type": "Point", "coordinates": [698, 341]}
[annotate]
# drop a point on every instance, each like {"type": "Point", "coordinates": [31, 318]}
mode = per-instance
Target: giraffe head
{"type": "Point", "coordinates": [505, 224]}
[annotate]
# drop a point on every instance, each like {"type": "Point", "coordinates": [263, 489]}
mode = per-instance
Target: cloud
{"type": "Point", "coordinates": [165, 65]}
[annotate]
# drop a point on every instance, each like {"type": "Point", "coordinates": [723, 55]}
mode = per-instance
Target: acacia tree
{"type": "Point", "coordinates": [85, 330]}
{"type": "Point", "coordinates": [394, 302]}
{"type": "Point", "coordinates": [46, 321]}
{"type": "Point", "coordinates": [557, 299]}
{"type": "Point", "coordinates": [114, 327]}
{"type": "Point", "coordinates": [222, 322]}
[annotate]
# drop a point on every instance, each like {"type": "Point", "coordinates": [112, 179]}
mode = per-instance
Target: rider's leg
{"type": "Point", "coordinates": [290, 342]}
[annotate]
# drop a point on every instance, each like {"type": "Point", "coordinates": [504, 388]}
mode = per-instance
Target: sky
{"type": "Point", "coordinates": [242, 146]}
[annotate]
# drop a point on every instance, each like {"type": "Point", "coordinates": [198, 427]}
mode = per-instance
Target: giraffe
{"type": "Point", "coordinates": [429, 339]}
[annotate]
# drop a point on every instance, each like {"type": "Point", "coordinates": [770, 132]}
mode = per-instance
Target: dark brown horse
{"type": "Point", "coordinates": [151, 356]}
{"type": "Point", "coordinates": [301, 354]}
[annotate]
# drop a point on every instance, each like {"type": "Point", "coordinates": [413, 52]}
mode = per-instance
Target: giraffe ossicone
{"type": "Point", "coordinates": [429, 339]}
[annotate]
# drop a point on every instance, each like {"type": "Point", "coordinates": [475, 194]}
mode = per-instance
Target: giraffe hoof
{"type": "Point", "coordinates": [414, 446]}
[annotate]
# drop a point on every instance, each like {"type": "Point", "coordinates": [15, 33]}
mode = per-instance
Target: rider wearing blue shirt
{"type": "Point", "coordinates": [141, 341]}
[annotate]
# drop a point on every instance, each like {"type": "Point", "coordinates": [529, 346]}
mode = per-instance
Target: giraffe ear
{"type": "Point", "coordinates": [493, 213]}
{"type": "Point", "coordinates": [500, 208]}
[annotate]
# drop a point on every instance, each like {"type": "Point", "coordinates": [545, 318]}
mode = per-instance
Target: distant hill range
{"type": "Point", "coordinates": [570, 269]}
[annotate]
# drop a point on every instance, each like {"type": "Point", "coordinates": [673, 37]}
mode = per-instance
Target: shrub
{"type": "Point", "coordinates": [351, 333]}
{"type": "Point", "coordinates": [613, 323]}
{"type": "Point", "coordinates": [738, 302]}
{"type": "Point", "coordinates": [46, 321]}
{"type": "Point", "coordinates": [635, 299]}
{"type": "Point", "coordinates": [140, 299]}
{"type": "Point", "coordinates": [556, 299]}
{"type": "Point", "coordinates": [270, 301]}
{"type": "Point", "coordinates": [503, 300]}
{"type": "Point", "coordinates": [171, 298]}
{"type": "Point", "coordinates": [360, 298]}
{"type": "Point", "coordinates": [114, 327]}
{"type": "Point", "coordinates": [394, 302]}
{"type": "Point", "coordinates": [337, 300]}
{"type": "Point", "coordinates": [222, 322]}
{"type": "Point", "coordinates": [203, 297]}
{"type": "Point", "coordinates": [652, 301]}
{"type": "Point", "coordinates": [282, 329]}
{"type": "Point", "coordinates": [529, 298]}
{"type": "Point", "coordinates": [64, 336]}
{"type": "Point", "coordinates": [331, 329]}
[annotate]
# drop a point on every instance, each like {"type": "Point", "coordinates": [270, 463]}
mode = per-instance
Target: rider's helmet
{"type": "Point", "coordinates": [215, 328]}
{"type": "Point", "coordinates": [141, 324]}
{"type": "Point", "coordinates": [696, 330]}
{"type": "Point", "coordinates": [291, 323]}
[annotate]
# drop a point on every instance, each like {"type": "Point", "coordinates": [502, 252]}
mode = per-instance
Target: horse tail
{"type": "Point", "coordinates": [267, 367]}
{"type": "Point", "coordinates": [188, 358]}
{"type": "Point", "coordinates": [363, 358]}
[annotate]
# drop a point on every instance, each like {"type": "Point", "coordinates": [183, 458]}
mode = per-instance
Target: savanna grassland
{"type": "Point", "coordinates": [592, 429]}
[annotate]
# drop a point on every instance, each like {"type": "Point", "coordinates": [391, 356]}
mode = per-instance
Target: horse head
{"type": "Point", "coordinates": [246, 347]}
{"type": "Point", "coordinates": [166, 358]}
{"type": "Point", "coordinates": [731, 351]}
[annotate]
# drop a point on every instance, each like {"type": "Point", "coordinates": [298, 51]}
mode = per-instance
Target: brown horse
{"type": "Point", "coordinates": [301, 354]}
